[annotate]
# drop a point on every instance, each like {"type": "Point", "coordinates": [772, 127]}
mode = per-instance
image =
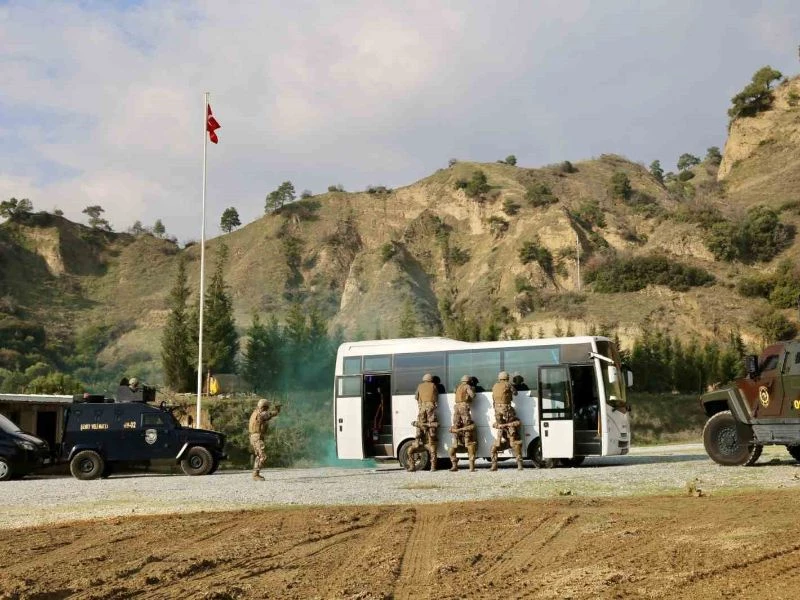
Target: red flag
{"type": "Point", "coordinates": [212, 126]}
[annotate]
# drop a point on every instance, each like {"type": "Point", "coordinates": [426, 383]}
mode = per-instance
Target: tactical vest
{"type": "Point", "coordinates": [502, 393]}
{"type": "Point", "coordinates": [462, 393]}
{"type": "Point", "coordinates": [427, 393]}
{"type": "Point", "coordinates": [256, 424]}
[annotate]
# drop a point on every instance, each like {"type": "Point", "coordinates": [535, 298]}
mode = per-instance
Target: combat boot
{"type": "Point", "coordinates": [471, 452]}
{"type": "Point", "coordinates": [519, 463]}
{"type": "Point", "coordinates": [410, 463]}
{"type": "Point", "coordinates": [454, 467]}
{"type": "Point", "coordinates": [257, 475]}
{"type": "Point", "coordinates": [494, 463]}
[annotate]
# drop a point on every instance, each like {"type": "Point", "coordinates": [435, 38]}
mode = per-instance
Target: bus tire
{"type": "Point", "coordinates": [728, 442]}
{"type": "Point", "coordinates": [794, 451]}
{"type": "Point", "coordinates": [575, 461]}
{"type": "Point", "coordinates": [86, 465]}
{"type": "Point", "coordinates": [423, 458]}
{"type": "Point", "coordinates": [535, 454]}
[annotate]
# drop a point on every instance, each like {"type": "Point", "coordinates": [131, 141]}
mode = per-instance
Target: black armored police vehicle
{"type": "Point", "coordinates": [105, 434]}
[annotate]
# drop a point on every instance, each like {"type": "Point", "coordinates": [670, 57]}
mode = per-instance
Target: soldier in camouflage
{"type": "Point", "coordinates": [506, 421]}
{"type": "Point", "coordinates": [427, 398]}
{"type": "Point", "coordinates": [463, 428]}
{"type": "Point", "coordinates": [257, 427]}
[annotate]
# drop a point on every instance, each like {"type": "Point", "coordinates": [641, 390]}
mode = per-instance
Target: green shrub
{"type": "Point", "coordinates": [774, 326]}
{"type": "Point", "coordinates": [567, 167]}
{"type": "Point", "coordinates": [759, 237]}
{"type": "Point", "coordinates": [497, 225]}
{"type": "Point", "coordinates": [755, 287]}
{"type": "Point", "coordinates": [685, 175]}
{"type": "Point", "coordinates": [620, 186]}
{"type": "Point", "coordinates": [756, 96]}
{"type": "Point", "coordinates": [540, 195]}
{"type": "Point", "coordinates": [589, 214]}
{"type": "Point", "coordinates": [388, 250]}
{"type": "Point", "coordinates": [792, 98]}
{"type": "Point", "coordinates": [510, 207]}
{"type": "Point", "coordinates": [534, 252]}
{"type": "Point", "coordinates": [635, 273]}
{"type": "Point", "coordinates": [457, 256]}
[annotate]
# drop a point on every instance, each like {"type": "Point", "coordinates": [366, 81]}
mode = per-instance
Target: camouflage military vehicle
{"type": "Point", "coordinates": [759, 409]}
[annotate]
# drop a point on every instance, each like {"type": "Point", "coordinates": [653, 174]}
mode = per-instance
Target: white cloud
{"type": "Point", "coordinates": [102, 103]}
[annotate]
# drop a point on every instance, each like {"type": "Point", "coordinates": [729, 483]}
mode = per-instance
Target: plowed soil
{"type": "Point", "coordinates": [733, 546]}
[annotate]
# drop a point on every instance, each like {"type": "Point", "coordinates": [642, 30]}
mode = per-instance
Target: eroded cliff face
{"type": "Point", "coordinates": [780, 124]}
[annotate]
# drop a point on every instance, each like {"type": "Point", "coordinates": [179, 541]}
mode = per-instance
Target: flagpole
{"type": "Point", "coordinates": [202, 266]}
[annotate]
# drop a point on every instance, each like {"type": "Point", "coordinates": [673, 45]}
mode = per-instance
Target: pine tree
{"type": "Point", "coordinates": [262, 362]}
{"type": "Point", "coordinates": [220, 340]}
{"type": "Point", "coordinates": [176, 339]}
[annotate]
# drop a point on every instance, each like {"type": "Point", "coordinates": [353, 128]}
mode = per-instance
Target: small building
{"type": "Point", "coordinates": [39, 414]}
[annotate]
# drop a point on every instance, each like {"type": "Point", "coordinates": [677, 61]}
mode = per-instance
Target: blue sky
{"type": "Point", "coordinates": [101, 102]}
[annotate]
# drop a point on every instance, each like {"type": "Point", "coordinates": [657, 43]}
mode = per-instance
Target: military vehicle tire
{"type": "Point", "coordinates": [5, 470]}
{"type": "Point", "coordinates": [728, 442]}
{"type": "Point", "coordinates": [794, 451]}
{"type": "Point", "coordinates": [86, 465]}
{"type": "Point", "coordinates": [422, 461]}
{"type": "Point", "coordinates": [535, 454]}
{"type": "Point", "coordinates": [575, 461]}
{"type": "Point", "coordinates": [754, 456]}
{"type": "Point", "coordinates": [198, 461]}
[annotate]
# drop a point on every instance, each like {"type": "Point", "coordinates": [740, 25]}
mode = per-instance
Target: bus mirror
{"type": "Point", "coordinates": [629, 378]}
{"type": "Point", "coordinates": [751, 365]}
{"type": "Point", "coordinates": [612, 374]}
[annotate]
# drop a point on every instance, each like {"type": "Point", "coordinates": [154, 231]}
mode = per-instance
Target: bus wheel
{"type": "Point", "coordinates": [728, 442]}
{"type": "Point", "coordinates": [421, 457]}
{"type": "Point", "coordinates": [535, 454]}
{"type": "Point", "coordinates": [794, 451]}
{"type": "Point", "coordinates": [575, 461]}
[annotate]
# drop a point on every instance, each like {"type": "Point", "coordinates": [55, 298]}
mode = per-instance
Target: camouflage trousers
{"type": "Point", "coordinates": [257, 443]}
{"type": "Point", "coordinates": [427, 436]}
{"type": "Point", "coordinates": [463, 431]}
{"type": "Point", "coordinates": [508, 433]}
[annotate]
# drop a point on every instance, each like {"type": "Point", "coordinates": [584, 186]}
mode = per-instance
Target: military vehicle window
{"type": "Point", "coordinates": [152, 420]}
{"type": "Point", "coordinates": [377, 363]}
{"type": "Point", "coordinates": [769, 363]}
{"type": "Point", "coordinates": [352, 365]}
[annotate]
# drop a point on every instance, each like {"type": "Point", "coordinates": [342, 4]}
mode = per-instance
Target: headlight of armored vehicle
{"type": "Point", "coordinates": [26, 445]}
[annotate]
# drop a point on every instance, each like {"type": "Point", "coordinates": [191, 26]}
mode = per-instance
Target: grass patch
{"type": "Point", "coordinates": [666, 418]}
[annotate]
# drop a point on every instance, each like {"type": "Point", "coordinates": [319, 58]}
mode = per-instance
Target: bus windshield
{"type": "Point", "coordinates": [615, 391]}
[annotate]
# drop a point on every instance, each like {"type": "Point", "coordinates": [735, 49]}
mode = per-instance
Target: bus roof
{"type": "Point", "coordinates": [437, 344]}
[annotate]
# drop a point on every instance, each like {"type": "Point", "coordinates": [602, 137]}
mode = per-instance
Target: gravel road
{"type": "Point", "coordinates": [646, 471]}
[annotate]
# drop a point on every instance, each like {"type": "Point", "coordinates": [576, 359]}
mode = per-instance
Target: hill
{"type": "Point", "coordinates": [464, 256]}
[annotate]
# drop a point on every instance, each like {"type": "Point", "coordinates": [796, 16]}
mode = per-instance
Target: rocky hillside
{"type": "Point", "coordinates": [463, 255]}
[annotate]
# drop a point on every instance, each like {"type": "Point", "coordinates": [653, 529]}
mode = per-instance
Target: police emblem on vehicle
{"type": "Point", "coordinates": [763, 396]}
{"type": "Point", "coordinates": [150, 436]}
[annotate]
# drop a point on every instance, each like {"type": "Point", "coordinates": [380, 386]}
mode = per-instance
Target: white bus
{"type": "Point", "coordinates": [583, 412]}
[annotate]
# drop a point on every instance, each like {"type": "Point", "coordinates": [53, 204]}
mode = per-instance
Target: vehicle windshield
{"type": "Point", "coordinates": [615, 392]}
{"type": "Point", "coordinates": [8, 425]}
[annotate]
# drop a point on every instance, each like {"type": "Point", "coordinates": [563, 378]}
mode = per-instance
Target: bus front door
{"type": "Point", "coordinates": [349, 437]}
{"type": "Point", "coordinates": [556, 427]}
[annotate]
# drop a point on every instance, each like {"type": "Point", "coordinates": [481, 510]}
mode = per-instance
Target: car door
{"type": "Point", "coordinates": [156, 437]}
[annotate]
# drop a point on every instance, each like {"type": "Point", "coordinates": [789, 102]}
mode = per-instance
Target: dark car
{"type": "Point", "coordinates": [103, 435]}
{"type": "Point", "coordinates": [20, 452]}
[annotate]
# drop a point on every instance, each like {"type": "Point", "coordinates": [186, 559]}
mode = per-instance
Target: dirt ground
{"type": "Point", "coordinates": [744, 545]}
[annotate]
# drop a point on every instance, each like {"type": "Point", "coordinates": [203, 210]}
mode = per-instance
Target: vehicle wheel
{"type": "Point", "coordinates": [198, 461]}
{"type": "Point", "coordinates": [754, 456]}
{"type": "Point", "coordinates": [5, 470]}
{"type": "Point", "coordinates": [421, 461]}
{"type": "Point", "coordinates": [535, 454]}
{"type": "Point", "coordinates": [86, 464]}
{"type": "Point", "coordinates": [728, 442]}
{"type": "Point", "coordinates": [575, 461]}
{"type": "Point", "coordinates": [794, 451]}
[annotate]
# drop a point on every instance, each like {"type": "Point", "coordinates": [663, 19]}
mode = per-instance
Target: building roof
{"type": "Point", "coordinates": [36, 398]}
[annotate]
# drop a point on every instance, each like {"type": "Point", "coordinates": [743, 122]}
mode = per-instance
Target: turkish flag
{"type": "Point", "coordinates": [212, 126]}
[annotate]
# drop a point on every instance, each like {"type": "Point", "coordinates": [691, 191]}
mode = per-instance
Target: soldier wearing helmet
{"type": "Point", "coordinates": [505, 420]}
{"type": "Point", "coordinates": [427, 398]}
{"type": "Point", "coordinates": [257, 428]}
{"type": "Point", "coordinates": [133, 384]}
{"type": "Point", "coordinates": [463, 428]}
